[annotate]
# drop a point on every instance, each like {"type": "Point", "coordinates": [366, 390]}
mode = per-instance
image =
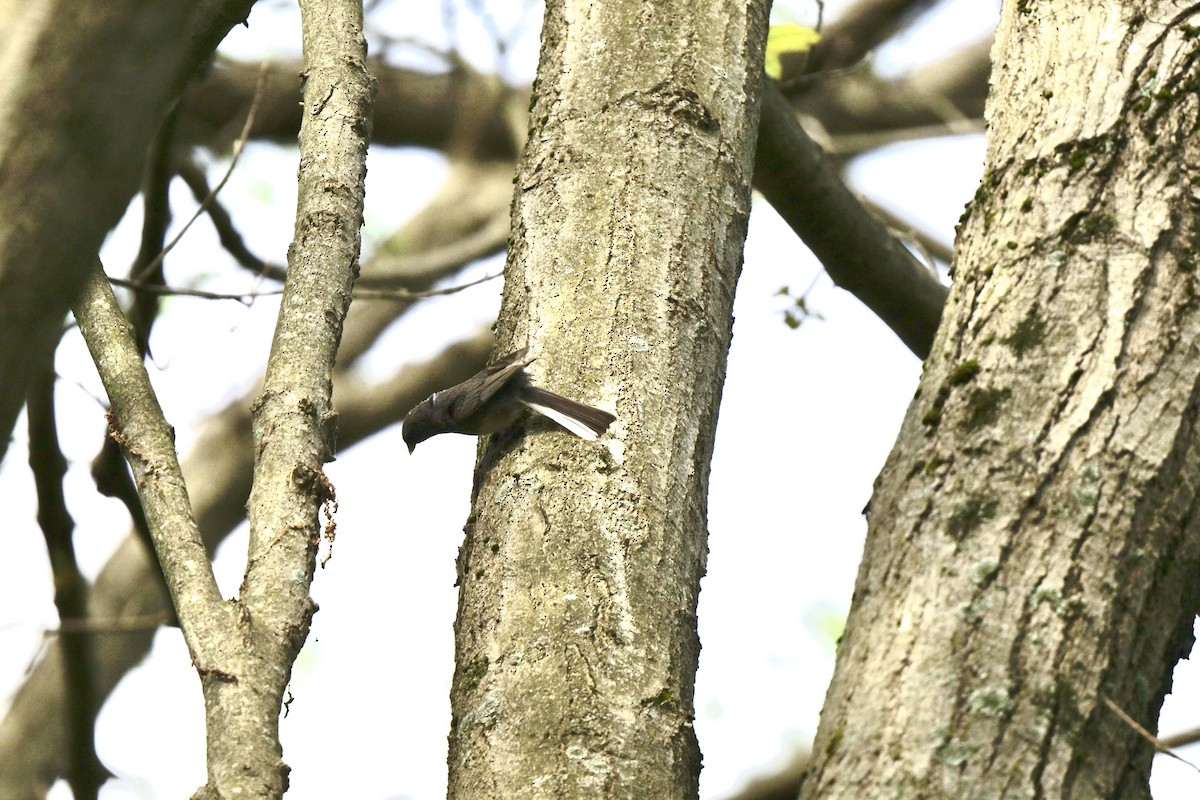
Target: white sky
{"type": "Point", "coordinates": [371, 708]}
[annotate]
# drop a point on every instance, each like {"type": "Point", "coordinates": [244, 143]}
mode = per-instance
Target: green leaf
{"type": "Point", "coordinates": [826, 623]}
{"type": "Point", "coordinates": [783, 39]}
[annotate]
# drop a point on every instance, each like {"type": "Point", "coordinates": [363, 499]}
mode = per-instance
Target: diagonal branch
{"type": "Point", "coordinates": [413, 108]}
{"type": "Point", "coordinates": [137, 423]}
{"type": "Point", "coordinates": [109, 471]}
{"type": "Point", "coordinates": [79, 103]}
{"type": "Point", "coordinates": [860, 29]}
{"type": "Point", "coordinates": [785, 151]}
{"type": "Point", "coordinates": [124, 596]}
{"type": "Point", "coordinates": [944, 93]}
{"type": "Point", "coordinates": [856, 249]}
{"type": "Point", "coordinates": [124, 600]}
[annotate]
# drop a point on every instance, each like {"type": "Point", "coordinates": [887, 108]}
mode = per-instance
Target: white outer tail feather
{"type": "Point", "coordinates": [570, 423]}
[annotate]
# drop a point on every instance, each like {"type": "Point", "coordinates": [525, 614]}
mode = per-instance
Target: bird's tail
{"type": "Point", "coordinates": [581, 420]}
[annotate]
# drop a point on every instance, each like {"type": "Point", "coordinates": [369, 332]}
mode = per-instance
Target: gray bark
{"type": "Point", "coordinates": [293, 422]}
{"type": "Point", "coordinates": [125, 602]}
{"type": "Point", "coordinates": [1033, 552]}
{"type": "Point", "coordinates": [576, 633]}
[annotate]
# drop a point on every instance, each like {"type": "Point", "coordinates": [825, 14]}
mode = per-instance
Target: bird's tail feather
{"type": "Point", "coordinates": [581, 420]}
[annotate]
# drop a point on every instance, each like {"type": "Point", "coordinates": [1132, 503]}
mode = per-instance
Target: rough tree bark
{"type": "Point", "coordinates": [293, 422]}
{"type": "Point", "coordinates": [576, 634]}
{"type": "Point", "coordinates": [1033, 552]}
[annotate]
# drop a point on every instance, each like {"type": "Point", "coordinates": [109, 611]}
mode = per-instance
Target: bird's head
{"type": "Point", "coordinates": [420, 424]}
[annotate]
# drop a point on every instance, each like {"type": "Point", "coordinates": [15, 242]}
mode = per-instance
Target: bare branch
{"type": "Point", "coordinates": [941, 94]}
{"type": "Point", "coordinates": [855, 247]}
{"type": "Point", "coordinates": [923, 240]}
{"type": "Point", "coordinates": [473, 196]}
{"type": "Point", "coordinates": [238, 146]}
{"type": "Point", "coordinates": [85, 773]}
{"type": "Point", "coordinates": [124, 599]}
{"type": "Point", "coordinates": [137, 423]}
{"type": "Point", "coordinates": [156, 217]}
{"type": "Point", "coordinates": [109, 471]}
{"type": "Point", "coordinates": [846, 146]}
{"type": "Point", "coordinates": [293, 420]}
{"type": "Point", "coordinates": [404, 271]}
{"type": "Point", "coordinates": [412, 108]}
{"type": "Point", "coordinates": [247, 298]}
{"type": "Point", "coordinates": [1187, 737]}
{"type": "Point", "coordinates": [1159, 745]}
{"type": "Point", "coordinates": [227, 232]}
{"type": "Point", "coordinates": [860, 29]}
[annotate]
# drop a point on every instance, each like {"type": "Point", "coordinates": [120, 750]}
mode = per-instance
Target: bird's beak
{"type": "Point", "coordinates": [411, 448]}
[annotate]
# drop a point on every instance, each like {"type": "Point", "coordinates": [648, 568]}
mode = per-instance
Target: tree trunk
{"type": "Point", "coordinates": [576, 633]}
{"type": "Point", "coordinates": [1032, 553]}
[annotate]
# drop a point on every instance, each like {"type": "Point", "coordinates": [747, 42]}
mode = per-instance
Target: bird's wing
{"type": "Point", "coordinates": [491, 380]}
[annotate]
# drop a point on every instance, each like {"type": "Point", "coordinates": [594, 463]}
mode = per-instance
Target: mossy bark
{"type": "Point", "coordinates": [1033, 553]}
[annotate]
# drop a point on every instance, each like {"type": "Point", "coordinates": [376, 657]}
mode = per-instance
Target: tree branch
{"type": "Point", "coordinates": [227, 233]}
{"type": "Point", "coordinates": [860, 29]}
{"type": "Point", "coordinates": [856, 249]}
{"type": "Point", "coordinates": [85, 773]}
{"type": "Point", "coordinates": [413, 108]}
{"type": "Point", "coordinates": [124, 597]}
{"type": "Point", "coordinates": [791, 161]}
{"type": "Point", "coordinates": [856, 102]}
{"type": "Point", "coordinates": [137, 423]}
{"type": "Point", "coordinates": [473, 196]}
{"type": "Point", "coordinates": [293, 421]}
{"type": "Point", "coordinates": [156, 217]}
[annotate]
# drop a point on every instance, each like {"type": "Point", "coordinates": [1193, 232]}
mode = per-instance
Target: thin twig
{"type": "Point", "coordinates": [1182, 738]}
{"type": "Point", "coordinates": [246, 298]}
{"type": "Point", "coordinates": [930, 244]}
{"type": "Point", "coordinates": [845, 145]}
{"type": "Point", "coordinates": [227, 232]}
{"type": "Point", "coordinates": [1159, 744]}
{"type": "Point", "coordinates": [404, 294]}
{"type": "Point", "coordinates": [238, 146]}
{"type": "Point", "coordinates": [403, 271]}
{"type": "Point", "coordinates": [92, 625]}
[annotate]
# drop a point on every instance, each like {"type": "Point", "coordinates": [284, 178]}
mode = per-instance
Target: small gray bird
{"type": "Point", "coordinates": [492, 400]}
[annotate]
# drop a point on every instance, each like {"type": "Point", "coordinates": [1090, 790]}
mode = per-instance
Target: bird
{"type": "Point", "coordinates": [493, 399]}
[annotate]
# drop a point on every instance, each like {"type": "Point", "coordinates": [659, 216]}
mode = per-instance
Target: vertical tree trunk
{"type": "Point", "coordinates": [1033, 550]}
{"type": "Point", "coordinates": [576, 632]}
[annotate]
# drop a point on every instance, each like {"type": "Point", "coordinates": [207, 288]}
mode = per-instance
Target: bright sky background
{"type": "Point", "coordinates": [371, 708]}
